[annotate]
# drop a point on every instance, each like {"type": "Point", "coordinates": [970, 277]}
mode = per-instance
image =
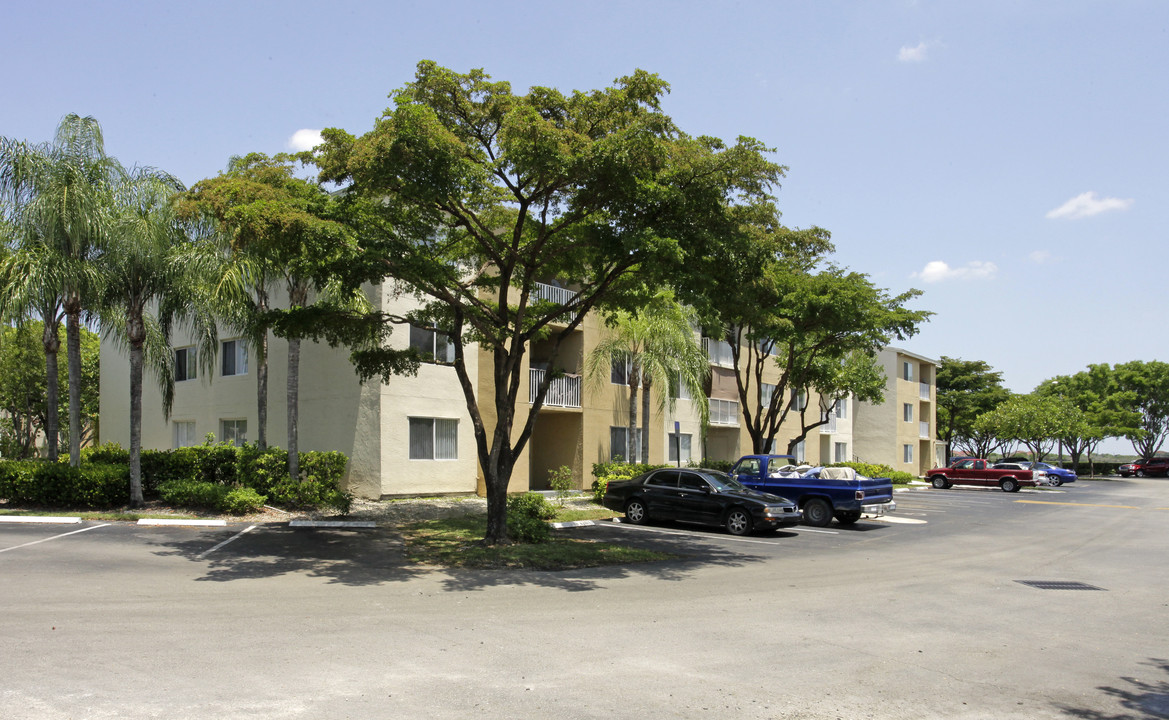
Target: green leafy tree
{"type": "Point", "coordinates": [150, 264]}
{"type": "Point", "coordinates": [780, 309]}
{"type": "Point", "coordinates": [59, 195]}
{"type": "Point", "coordinates": [659, 345]}
{"type": "Point", "coordinates": [857, 375]}
{"type": "Point", "coordinates": [277, 226]}
{"type": "Point", "coordinates": [1035, 421]}
{"type": "Point", "coordinates": [1146, 392]}
{"type": "Point", "coordinates": [470, 194]}
{"type": "Point", "coordinates": [1105, 407]}
{"type": "Point", "coordinates": [965, 390]}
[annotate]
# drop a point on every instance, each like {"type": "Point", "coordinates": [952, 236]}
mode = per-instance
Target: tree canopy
{"type": "Point", "coordinates": [470, 194]}
{"type": "Point", "coordinates": [965, 390]}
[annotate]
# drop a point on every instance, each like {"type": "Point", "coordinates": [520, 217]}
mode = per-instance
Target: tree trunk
{"type": "Point", "coordinates": [73, 345]}
{"type": "Point", "coordinates": [293, 400]}
{"type": "Point", "coordinates": [262, 379]}
{"type": "Point", "coordinates": [631, 438]}
{"type": "Point", "coordinates": [52, 393]}
{"type": "Point", "coordinates": [136, 498]}
{"type": "Point", "coordinates": [496, 479]}
{"type": "Point", "coordinates": [645, 382]}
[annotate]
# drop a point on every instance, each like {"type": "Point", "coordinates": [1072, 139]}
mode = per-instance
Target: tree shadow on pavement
{"type": "Point", "coordinates": [1143, 699]}
{"type": "Point", "coordinates": [365, 557]}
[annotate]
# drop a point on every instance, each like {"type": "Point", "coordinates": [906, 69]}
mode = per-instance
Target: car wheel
{"type": "Point", "coordinates": [739, 522]}
{"type": "Point", "coordinates": [635, 512]}
{"type": "Point", "coordinates": [940, 482]}
{"type": "Point", "coordinates": [1009, 485]}
{"type": "Point", "coordinates": [817, 512]}
{"type": "Point", "coordinates": [1140, 473]}
{"type": "Point", "coordinates": [1056, 482]}
{"type": "Point", "coordinates": [848, 518]}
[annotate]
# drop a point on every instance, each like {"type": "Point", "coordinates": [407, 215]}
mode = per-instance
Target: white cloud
{"type": "Point", "coordinates": [913, 54]}
{"type": "Point", "coordinates": [306, 139]}
{"type": "Point", "coordinates": [1087, 205]}
{"type": "Point", "coordinates": [1039, 256]}
{"type": "Point", "coordinates": [938, 271]}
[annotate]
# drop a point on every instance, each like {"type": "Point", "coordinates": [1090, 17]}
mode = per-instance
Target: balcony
{"type": "Point", "coordinates": [925, 391]}
{"type": "Point", "coordinates": [724, 412]}
{"type": "Point", "coordinates": [830, 427]}
{"type": "Point", "coordinates": [563, 391]}
{"type": "Point", "coordinates": [552, 293]}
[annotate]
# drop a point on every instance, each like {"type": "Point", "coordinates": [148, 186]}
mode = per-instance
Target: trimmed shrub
{"type": "Point", "coordinates": [241, 501]}
{"type": "Point", "coordinates": [709, 464]}
{"type": "Point", "coordinates": [211, 496]}
{"type": "Point", "coordinates": [606, 473]}
{"type": "Point", "coordinates": [36, 482]}
{"type": "Point", "coordinates": [527, 516]}
{"type": "Point", "coordinates": [871, 470]}
{"type": "Point", "coordinates": [900, 477]}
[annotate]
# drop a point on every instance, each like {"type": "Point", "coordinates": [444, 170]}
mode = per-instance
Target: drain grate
{"type": "Point", "coordinates": [1058, 585]}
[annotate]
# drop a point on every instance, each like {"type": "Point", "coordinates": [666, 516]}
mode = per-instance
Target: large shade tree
{"type": "Point", "coordinates": [1146, 391]}
{"type": "Point", "coordinates": [470, 194]}
{"type": "Point", "coordinates": [59, 195]}
{"type": "Point", "coordinates": [1107, 410]}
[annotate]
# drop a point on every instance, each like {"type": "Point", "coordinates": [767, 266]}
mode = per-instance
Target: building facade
{"type": "Point", "coordinates": [414, 436]}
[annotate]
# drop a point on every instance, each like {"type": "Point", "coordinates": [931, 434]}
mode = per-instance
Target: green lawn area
{"type": "Point", "coordinates": [457, 542]}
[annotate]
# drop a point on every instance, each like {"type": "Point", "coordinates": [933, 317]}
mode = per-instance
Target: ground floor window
{"type": "Point", "coordinates": [434, 439]}
{"type": "Point", "coordinates": [679, 447]}
{"type": "Point", "coordinates": [798, 451]}
{"type": "Point", "coordinates": [619, 444]}
{"type": "Point", "coordinates": [907, 453]}
{"type": "Point", "coordinates": [233, 431]}
{"type": "Point", "coordinates": [185, 434]}
{"type": "Point", "coordinates": [840, 452]}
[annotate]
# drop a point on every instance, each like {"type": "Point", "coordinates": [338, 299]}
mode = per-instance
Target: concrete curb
{"type": "Point", "coordinates": [572, 524]}
{"type": "Point", "coordinates": [193, 523]}
{"type": "Point", "coordinates": [39, 519]}
{"type": "Point", "coordinates": [332, 523]}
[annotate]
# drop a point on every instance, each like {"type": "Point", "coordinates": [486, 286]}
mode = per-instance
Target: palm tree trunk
{"type": "Point", "coordinates": [293, 396]}
{"type": "Point", "coordinates": [631, 440]}
{"type": "Point", "coordinates": [52, 394]}
{"type": "Point", "coordinates": [645, 383]}
{"type": "Point", "coordinates": [136, 499]}
{"type": "Point", "coordinates": [73, 344]}
{"type": "Point", "coordinates": [262, 377]}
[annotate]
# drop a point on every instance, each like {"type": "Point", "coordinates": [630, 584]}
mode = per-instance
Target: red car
{"type": "Point", "coordinates": [975, 471]}
{"type": "Point", "coordinates": [1150, 468]}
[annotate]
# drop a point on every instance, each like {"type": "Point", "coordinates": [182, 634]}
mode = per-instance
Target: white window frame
{"type": "Point", "coordinates": [237, 351]}
{"type": "Point", "coordinates": [185, 363]}
{"type": "Point", "coordinates": [840, 452]}
{"type": "Point", "coordinates": [444, 438]}
{"type": "Point", "coordinates": [799, 399]}
{"type": "Point", "coordinates": [615, 369]}
{"type": "Point", "coordinates": [183, 434]}
{"type": "Point", "coordinates": [907, 452]}
{"type": "Point", "coordinates": [766, 393]}
{"type": "Point", "coordinates": [233, 435]}
{"type": "Point", "coordinates": [907, 370]}
{"type": "Point", "coordinates": [798, 451]}
{"type": "Point", "coordinates": [907, 412]}
{"type": "Point", "coordinates": [427, 341]}
{"type": "Point", "coordinates": [620, 447]}
{"type": "Point", "coordinates": [841, 409]}
{"type": "Point", "coordinates": [680, 391]}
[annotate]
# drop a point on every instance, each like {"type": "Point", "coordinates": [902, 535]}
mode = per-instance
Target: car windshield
{"type": "Point", "coordinates": [723, 482]}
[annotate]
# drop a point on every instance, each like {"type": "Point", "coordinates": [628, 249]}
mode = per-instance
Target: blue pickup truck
{"type": "Point", "coordinates": [831, 492]}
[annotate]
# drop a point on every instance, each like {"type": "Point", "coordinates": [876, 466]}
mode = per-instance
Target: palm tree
{"type": "Point", "coordinates": [60, 195]}
{"type": "Point", "coordinates": [661, 350]}
{"type": "Point", "coordinates": [152, 278]}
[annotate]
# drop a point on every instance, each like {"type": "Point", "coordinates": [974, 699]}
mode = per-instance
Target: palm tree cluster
{"type": "Point", "coordinates": [86, 239]}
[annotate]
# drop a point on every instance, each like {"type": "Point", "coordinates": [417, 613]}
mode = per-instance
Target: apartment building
{"type": "Point", "coordinates": [901, 431]}
{"type": "Point", "coordinates": [413, 435]}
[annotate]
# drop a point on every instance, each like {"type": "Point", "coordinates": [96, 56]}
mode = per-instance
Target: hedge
{"type": "Point", "coordinates": [104, 478]}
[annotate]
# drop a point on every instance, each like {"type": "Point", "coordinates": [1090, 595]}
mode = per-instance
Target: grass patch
{"type": "Point", "coordinates": [456, 542]}
{"type": "Point", "coordinates": [595, 512]}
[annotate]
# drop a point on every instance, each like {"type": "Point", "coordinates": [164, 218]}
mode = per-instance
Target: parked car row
{"type": "Point", "coordinates": [1158, 466]}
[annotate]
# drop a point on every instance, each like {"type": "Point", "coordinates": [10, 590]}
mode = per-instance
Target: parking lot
{"type": "Point", "coordinates": [938, 611]}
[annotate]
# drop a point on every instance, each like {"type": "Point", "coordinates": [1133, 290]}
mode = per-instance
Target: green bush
{"type": "Point", "coordinates": [527, 516]}
{"type": "Point", "coordinates": [710, 464]}
{"type": "Point", "coordinates": [211, 496]}
{"type": "Point", "coordinates": [900, 477]}
{"type": "Point", "coordinates": [871, 470]}
{"type": "Point", "coordinates": [560, 480]}
{"type": "Point", "coordinates": [37, 482]}
{"type": "Point", "coordinates": [241, 501]}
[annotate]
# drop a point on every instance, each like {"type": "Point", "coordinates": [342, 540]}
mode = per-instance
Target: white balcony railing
{"type": "Point", "coordinates": [719, 352]}
{"type": "Point", "coordinates": [552, 293]}
{"type": "Point", "coordinates": [925, 391]}
{"type": "Point", "coordinates": [925, 428]}
{"type": "Point", "coordinates": [830, 428]}
{"type": "Point", "coordinates": [724, 412]}
{"type": "Point", "coordinates": [563, 391]}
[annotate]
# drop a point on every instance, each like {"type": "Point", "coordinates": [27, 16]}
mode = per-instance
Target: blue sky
{"type": "Point", "coordinates": [1009, 159]}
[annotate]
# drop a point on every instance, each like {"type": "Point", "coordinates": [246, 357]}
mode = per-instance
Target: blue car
{"type": "Point", "coordinates": [1056, 476]}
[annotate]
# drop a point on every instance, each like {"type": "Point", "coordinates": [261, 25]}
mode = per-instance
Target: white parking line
{"type": "Point", "coordinates": [37, 542]}
{"type": "Point", "coordinates": [72, 520]}
{"type": "Point", "coordinates": [191, 523]}
{"type": "Point", "coordinates": [239, 534]}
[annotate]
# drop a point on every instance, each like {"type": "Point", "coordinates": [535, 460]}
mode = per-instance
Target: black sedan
{"type": "Point", "coordinates": [708, 497]}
